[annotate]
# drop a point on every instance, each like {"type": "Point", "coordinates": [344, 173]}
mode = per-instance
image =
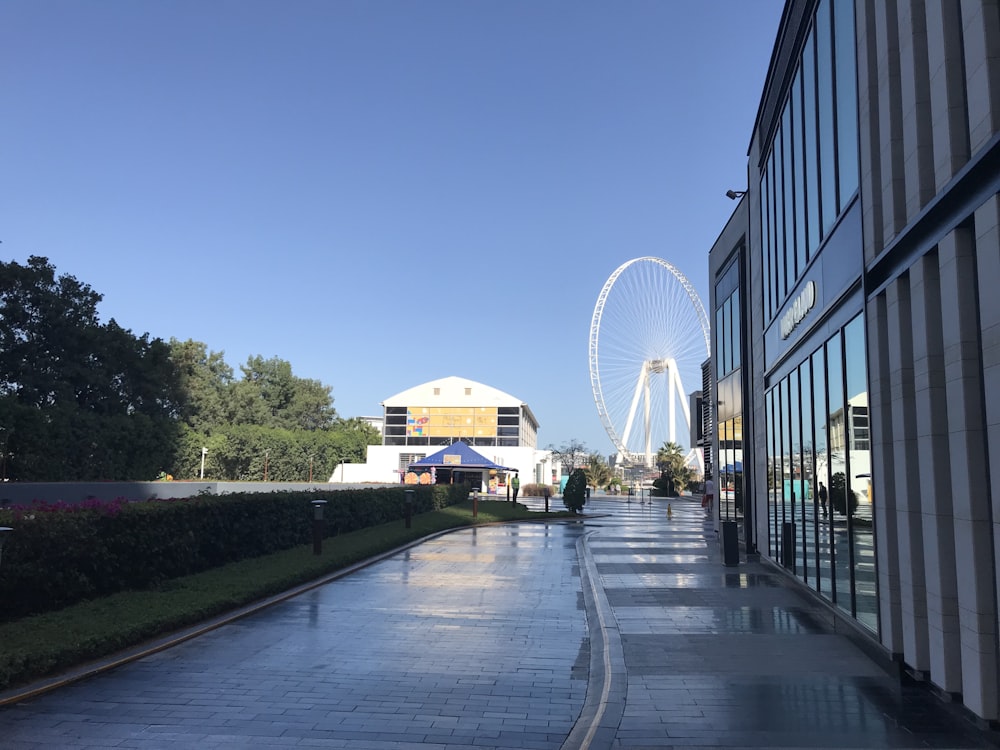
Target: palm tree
{"type": "Point", "coordinates": [598, 472]}
{"type": "Point", "coordinates": [670, 460]}
{"type": "Point", "coordinates": [669, 455]}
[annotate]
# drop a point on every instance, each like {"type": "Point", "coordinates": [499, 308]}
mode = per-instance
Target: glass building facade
{"type": "Point", "coordinates": [854, 356]}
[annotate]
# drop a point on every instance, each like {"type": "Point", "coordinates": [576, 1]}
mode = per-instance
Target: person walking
{"type": "Point", "coordinates": [709, 500]}
{"type": "Point", "coordinates": [515, 485]}
{"type": "Point", "coordinates": [822, 499]}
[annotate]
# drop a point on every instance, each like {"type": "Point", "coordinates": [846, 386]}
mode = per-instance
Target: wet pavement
{"type": "Point", "coordinates": [623, 630]}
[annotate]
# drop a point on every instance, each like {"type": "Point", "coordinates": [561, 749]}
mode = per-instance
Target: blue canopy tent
{"type": "Point", "coordinates": [457, 462]}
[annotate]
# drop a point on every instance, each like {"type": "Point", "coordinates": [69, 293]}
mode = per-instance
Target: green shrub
{"type": "Point", "coordinates": [575, 492]}
{"type": "Point", "coordinates": [61, 554]}
{"type": "Point", "coordinates": [662, 486]}
{"type": "Point", "coordinates": [840, 492]}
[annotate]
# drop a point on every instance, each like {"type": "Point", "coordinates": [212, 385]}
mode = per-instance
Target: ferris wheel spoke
{"type": "Point", "coordinates": [649, 336]}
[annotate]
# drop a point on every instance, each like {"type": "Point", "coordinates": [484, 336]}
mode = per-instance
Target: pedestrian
{"type": "Point", "coordinates": [823, 499]}
{"type": "Point", "coordinates": [708, 501]}
{"type": "Point", "coordinates": [515, 485]}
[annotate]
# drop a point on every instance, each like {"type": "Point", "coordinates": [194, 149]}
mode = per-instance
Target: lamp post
{"type": "Point", "coordinates": [204, 450]}
{"type": "Point", "coordinates": [4, 531]}
{"type": "Point", "coordinates": [318, 526]}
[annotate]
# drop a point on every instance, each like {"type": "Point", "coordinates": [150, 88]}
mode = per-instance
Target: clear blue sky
{"type": "Point", "coordinates": [382, 192]}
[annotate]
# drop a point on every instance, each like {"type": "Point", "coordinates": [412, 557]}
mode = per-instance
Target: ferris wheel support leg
{"type": "Point", "coordinates": [672, 394]}
{"type": "Point", "coordinates": [643, 375]}
{"type": "Point", "coordinates": [683, 400]}
{"type": "Point", "coordinates": [649, 425]}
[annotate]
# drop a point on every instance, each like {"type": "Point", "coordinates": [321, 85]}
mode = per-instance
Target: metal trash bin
{"type": "Point", "coordinates": [788, 545]}
{"type": "Point", "coordinates": [730, 544]}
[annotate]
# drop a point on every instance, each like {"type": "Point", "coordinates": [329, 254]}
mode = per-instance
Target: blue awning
{"type": "Point", "coordinates": [458, 456]}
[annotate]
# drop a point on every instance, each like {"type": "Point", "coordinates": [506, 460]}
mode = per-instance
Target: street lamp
{"type": "Point", "coordinates": [203, 452]}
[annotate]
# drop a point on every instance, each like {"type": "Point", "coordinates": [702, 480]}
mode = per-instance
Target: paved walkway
{"type": "Point", "coordinates": [623, 630]}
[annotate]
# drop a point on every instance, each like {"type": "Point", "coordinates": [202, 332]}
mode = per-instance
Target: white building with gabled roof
{"type": "Point", "coordinates": [423, 419]}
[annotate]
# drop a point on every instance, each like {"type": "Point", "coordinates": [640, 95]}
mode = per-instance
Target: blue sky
{"type": "Point", "coordinates": [382, 193]}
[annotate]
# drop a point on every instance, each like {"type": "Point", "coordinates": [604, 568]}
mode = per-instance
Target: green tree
{"type": "Point", "coordinates": [270, 394]}
{"type": "Point", "coordinates": [598, 472]}
{"type": "Point", "coordinates": [78, 399]}
{"type": "Point", "coordinates": [670, 460]}
{"type": "Point", "coordinates": [571, 455]}
{"type": "Point", "coordinates": [206, 382]}
{"type": "Point", "coordinates": [575, 492]}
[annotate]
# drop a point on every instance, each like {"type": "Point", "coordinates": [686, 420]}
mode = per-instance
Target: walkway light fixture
{"type": "Point", "coordinates": [4, 533]}
{"type": "Point", "coordinates": [318, 506]}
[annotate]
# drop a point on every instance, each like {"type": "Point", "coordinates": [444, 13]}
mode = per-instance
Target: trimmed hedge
{"type": "Point", "coordinates": [61, 554]}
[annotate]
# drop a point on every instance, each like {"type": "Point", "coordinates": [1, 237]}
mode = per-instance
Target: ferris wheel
{"type": "Point", "coordinates": [648, 339]}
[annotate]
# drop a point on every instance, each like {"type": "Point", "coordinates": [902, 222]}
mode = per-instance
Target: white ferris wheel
{"type": "Point", "coordinates": [648, 339]}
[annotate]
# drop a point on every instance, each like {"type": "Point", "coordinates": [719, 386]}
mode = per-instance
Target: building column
{"type": "Point", "coordinates": [906, 468]}
{"type": "Point", "coordinates": [883, 478]}
{"type": "Point", "coordinates": [981, 36]}
{"type": "Point", "coordinates": [987, 219]}
{"type": "Point", "coordinates": [970, 485]}
{"type": "Point", "coordinates": [931, 408]}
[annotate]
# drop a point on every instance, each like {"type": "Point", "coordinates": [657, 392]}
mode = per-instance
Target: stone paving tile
{"type": "Point", "coordinates": [486, 639]}
{"type": "Point", "coordinates": [470, 638]}
{"type": "Point", "coordinates": [736, 659]}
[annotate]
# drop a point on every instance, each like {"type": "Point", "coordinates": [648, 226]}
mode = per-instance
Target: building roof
{"type": "Point", "coordinates": [452, 391]}
{"type": "Point", "coordinates": [459, 456]}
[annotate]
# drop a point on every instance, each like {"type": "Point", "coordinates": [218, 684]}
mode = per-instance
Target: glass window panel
{"type": "Point", "coordinates": [765, 241]}
{"type": "Point", "coordinates": [730, 486]}
{"type": "Point", "coordinates": [797, 165]}
{"type": "Point", "coordinates": [838, 473]}
{"type": "Point", "coordinates": [737, 328]}
{"type": "Point", "coordinates": [811, 181]}
{"type": "Point", "coordinates": [772, 478]}
{"type": "Point", "coordinates": [859, 465]}
{"type": "Point", "coordinates": [738, 493]}
{"type": "Point", "coordinates": [789, 196]}
{"type": "Point", "coordinates": [720, 346]}
{"type": "Point", "coordinates": [786, 468]}
{"type": "Point", "coordinates": [775, 270]}
{"type": "Point", "coordinates": [793, 488]}
{"type": "Point", "coordinates": [824, 564]}
{"type": "Point", "coordinates": [779, 222]}
{"type": "Point", "coordinates": [730, 316]}
{"type": "Point", "coordinates": [847, 98]}
{"type": "Point", "coordinates": [807, 474]}
{"type": "Point", "coordinates": [824, 95]}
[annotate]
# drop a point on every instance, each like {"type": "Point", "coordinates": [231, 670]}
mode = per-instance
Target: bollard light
{"type": "Point", "coordinates": [4, 531]}
{"type": "Point", "coordinates": [409, 508]}
{"type": "Point", "coordinates": [318, 506]}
